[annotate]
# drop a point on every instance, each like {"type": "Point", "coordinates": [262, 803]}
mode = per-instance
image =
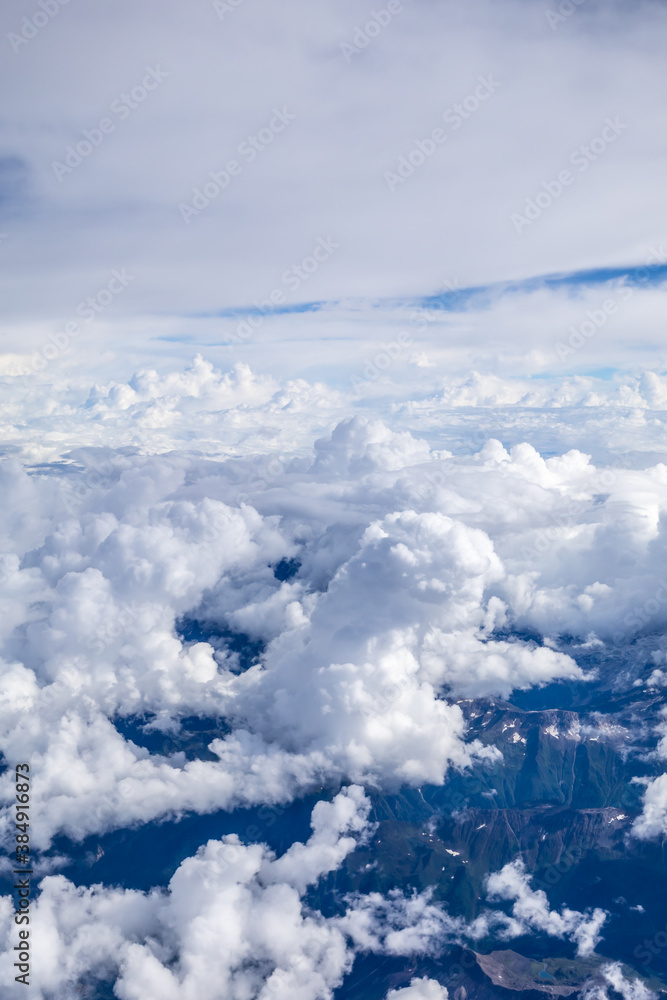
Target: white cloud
{"type": "Point", "coordinates": [104, 580]}
{"type": "Point", "coordinates": [230, 921]}
{"type": "Point", "coordinates": [357, 446]}
{"type": "Point", "coordinates": [652, 822]}
{"type": "Point", "coordinates": [629, 989]}
{"type": "Point", "coordinates": [353, 122]}
{"type": "Point", "coordinates": [399, 924]}
{"type": "Point", "coordinates": [420, 989]}
{"type": "Point", "coordinates": [233, 921]}
{"type": "Point", "coordinates": [445, 480]}
{"type": "Point", "coordinates": [411, 558]}
{"type": "Point", "coordinates": [531, 913]}
{"type": "Point", "coordinates": [405, 924]}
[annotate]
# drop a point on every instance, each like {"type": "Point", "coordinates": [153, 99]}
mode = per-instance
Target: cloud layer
{"type": "Point", "coordinates": [233, 922]}
{"type": "Point", "coordinates": [415, 570]}
{"type": "Point", "coordinates": [163, 81]}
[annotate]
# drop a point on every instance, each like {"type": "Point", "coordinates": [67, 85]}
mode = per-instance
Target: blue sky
{"type": "Point", "coordinates": [457, 300]}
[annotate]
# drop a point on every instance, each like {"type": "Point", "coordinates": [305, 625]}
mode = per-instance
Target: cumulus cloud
{"type": "Point", "coordinates": [362, 503]}
{"type": "Point", "coordinates": [473, 667]}
{"type": "Point", "coordinates": [652, 822]}
{"type": "Point", "coordinates": [391, 611]}
{"type": "Point", "coordinates": [414, 567]}
{"type": "Point", "coordinates": [400, 924]}
{"type": "Point", "coordinates": [629, 989]}
{"type": "Point", "coordinates": [409, 562]}
{"type": "Point", "coordinates": [531, 913]}
{"type": "Point", "coordinates": [358, 445]}
{"type": "Point", "coordinates": [231, 923]}
{"type": "Point", "coordinates": [420, 989]}
{"type": "Point", "coordinates": [653, 819]}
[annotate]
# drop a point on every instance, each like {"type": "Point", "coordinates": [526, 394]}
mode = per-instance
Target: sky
{"type": "Point", "coordinates": [346, 115]}
{"type": "Point", "coordinates": [374, 293]}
